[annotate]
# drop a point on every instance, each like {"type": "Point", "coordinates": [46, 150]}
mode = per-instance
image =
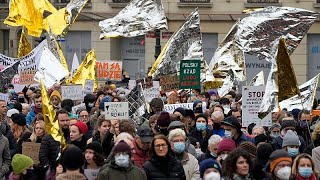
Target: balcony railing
{"type": "Point", "coordinates": [262, 1]}
{"type": "Point", "coordinates": [120, 1]}
{"type": "Point", "coordinates": [195, 1]}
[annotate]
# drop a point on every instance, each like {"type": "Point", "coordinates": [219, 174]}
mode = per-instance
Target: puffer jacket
{"type": "Point", "coordinates": [112, 171]}
{"type": "Point", "coordinates": [168, 168]}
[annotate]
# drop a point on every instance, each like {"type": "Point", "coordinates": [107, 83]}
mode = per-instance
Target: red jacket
{"type": "Point", "coordinates": [140, 156]}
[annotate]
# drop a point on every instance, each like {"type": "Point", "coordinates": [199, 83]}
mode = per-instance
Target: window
{"type": "Point", "coordinates": [4, 1]}
{"type": "Point", "coordinates": [195, 1]}
{"type": "Point", "coordinates": [120, 1]}
{"type": "Point", "coordinates": [318, 1]}
{"type": "Point", "coordinates": [262, 1]}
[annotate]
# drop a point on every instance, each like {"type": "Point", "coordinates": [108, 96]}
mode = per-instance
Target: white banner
{"type": "Point", "coordinates": [116, 110]}
{"type": "Point", "coordinates": [171, 107]}
{"type": "Point", "coordinates": [73, 92]}
{"type": "Point", "coordinates": [251, 99]}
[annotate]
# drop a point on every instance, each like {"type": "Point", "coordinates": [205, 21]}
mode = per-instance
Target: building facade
{"type": "Point", "coordinates": [137, 54]}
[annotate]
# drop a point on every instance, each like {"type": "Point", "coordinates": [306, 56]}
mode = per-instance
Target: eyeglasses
{"type": "Point", "coordinates": [158, 146]}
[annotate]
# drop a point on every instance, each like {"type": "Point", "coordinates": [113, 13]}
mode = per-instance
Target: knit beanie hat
{"type": "Point", "coordinates": [82, 127]}
{"type": "Point", "coordinates": [105, 99]}
{"type": "Point", "coordinates": [57, 94]}
{"type": "Point", "coordinates": [180, 110]}
{"type": "Point", "coordinates": [19, 119]}
{"type": "Point", "coordinates": [195, 104]}
{"type": "Point", "coordinates": [95, 146]}
{"type": "Point", "coordinates": [290, 139]}
{"type": "Point", "coordinates": [276, 157]}
{"type": "Point", "coordinates": [232, 121]}
{"type": "Point", "coordinates": [226, 145]}
{"type": "Point", "coordinates": [209, 163]}
{"type": "Point", "coordinates": [288, 123]}
{"type": "Point", "coordinates": [121, 147]}
{"type": "Point", "coordinates": [190, 113]}
{"type": "Point", "coordinates": [261, 138]}
{"type": "Point", "coordinates": [72, 158]}
{"type": "Point", "coordinates": [20, 163]}
{"type": "Point", "coordinates": [164, 119]}
{"type": "Point", "coordinates": [249, 147]}
{"type": "Point", "coordinates": [176, 124]}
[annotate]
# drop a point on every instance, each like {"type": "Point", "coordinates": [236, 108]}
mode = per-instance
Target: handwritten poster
{"type": "Point", "coordinates": [32, 150]}
{"type": "Point", "coordinates": [73, 92]}
{"type": "Point", "coordinates": [169, 83]}
{"type": "Point", "coordinates": [109, 70]}
{"type": "Point", "coordinates": [116, 110]}
{"type": "Point", "coordinates": [171, 107]}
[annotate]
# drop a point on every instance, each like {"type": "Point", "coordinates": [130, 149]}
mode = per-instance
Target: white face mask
{"type": "Point", "coordinates": [227, 134]}
{"type": "Point", "coordinates": [224, 156]}
{"type": "Point", "coordinates": [284, 173]}
{"type": "Point", "coordinates": [212, 176]}
{"type": "Point", "coordinates": [122, 160]}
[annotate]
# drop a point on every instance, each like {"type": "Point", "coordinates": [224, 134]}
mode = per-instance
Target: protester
{"type": "Point", "coordinates": [303, 167]}
{"type": "Point", "coordinates": [77, 135]}
{"type": "Point", "coordinates": [5, 156]}
{"type": "Point", "coordinates": [315, 140]}
{"type": "Point", "coordinates": [212, 148]}
{"type": "Point", "coordinates": [25, 108]}
{"type": "Point", "coordinates": [217, 117]}
{"type": "Point", "coordinates": [127, 126]}
{"type": "Point", "coordinates": [156, 105]}
{"type": "Point", "coordinates": [250, 148]}
{"type": "Point", "coordinates": [153, 122]}
{"type": "Point", "coordinates": [210, 170]}
{"type": "Point", "coordinates": [279, 166]}
{"type": "Point", "coordinates": [163, 122]}
{"type": "Point", "coordinates": [263, 153]}
{"type": "Point", "coordinates": [257, 130]}
{"type": "Point", "coordinates": [83, 116]}
{"type": "Point", "coordinates": [38, 132]}
{"type": "Point", "coordinates": [224, 147]}
{"type": "Point", "coordinates": [201, 132]}
{"type": "Point", "coordinates": [55, 99]}
{"type": "Point", "coordinates": [162, 163]}
{"type": "Point", "coordinates": [291, 143]}
{"type": "Point", "coordinates": [22, 167]}
{"type": "Point", "coordinates": [36, 109]}
{"type": "Point", "coordinates": [19, 129]}
{"type": "Point", "coordinates": [93, 157]}
{"type": "Point", "coordinates": [142, 144]}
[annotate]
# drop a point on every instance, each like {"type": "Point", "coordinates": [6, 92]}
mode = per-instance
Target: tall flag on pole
{"type": "Point", "coordinates": [60, 22]}
{"type": "Point", "coordinates": [24, 45]}
{"type": "Point", "coordinates": [29, 13]}
{"type": "Point", "coordinates": [258, 80]}
{"type": "Point", "coordinates": [137, 18]}
{"type": "Point", "coordinates": [49, 116]}
{"type": "Point", "coordinates": [75, 64]}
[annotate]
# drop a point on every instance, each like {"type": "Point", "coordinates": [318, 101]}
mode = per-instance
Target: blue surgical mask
{"type": "Point", "coordinates": [228, 134]}
{"type": "Point", "coordinates": [201, 126]}
{"type": "Point", "coordinates": [122, 160]}
{"type": "Point", "coordinates": [275, 135]}
{"type": "Point", "coordinates": [11, 91]}
{"type": "Point", "coordinates": [90, 105]}
{"type": "Point", "coordinates": [293, 152]}
{"type": "Point", "coordinates": [305, 172]}
{"type": "Point", "coordinates": [179, 147]}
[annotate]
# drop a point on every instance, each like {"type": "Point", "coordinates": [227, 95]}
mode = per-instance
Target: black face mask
{"type": "Point", "coordinates": [216, 126]}
{"type": "Point", "coordinates": [21, 100]}
{"type": "Point", "coordinates": [198, 110]}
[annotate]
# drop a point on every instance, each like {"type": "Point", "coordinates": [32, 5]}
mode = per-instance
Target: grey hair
{"type": "Point", "coordinates": [25, 105]}
{"type": "Point", "coordinates": [123, 136]}
{"type": "Point", "coordinates": [260, 128]}
{"type": "Point", "coordinates": [214, 139]}
{"type": "Point", "coordinates": [175, 133]}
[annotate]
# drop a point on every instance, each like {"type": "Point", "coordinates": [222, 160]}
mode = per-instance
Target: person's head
{"type": "Point", "coordinates": [177, 139]}
{"type": "Point", "coordinates": [231, 127]}
{"type": "Point", "coordinates": [217, 117]}
{"type": "Point", "coordinates": [21, 163]}
{"type": "Point", "coordinates": [263, 152]}
{"type": "Point", "coordinates": [156, 105]}
{"type": "Point", "coordinates": [152, 123]}
{"type": "Point", "coordinates": [83, 115]}
{"type": "Point", "coordinates": [275, 130]}
{"type": "Point", "coordinates": [304, 115]}
{"type": "Point", "coordinates": [287, 124]}
{"type": "Point", "coordinates": [160, 146]}
{"type": "Point", "coordinates": [144, 137]}
{"type": "Point", "coordinates": [280, 164]}
{"type": "Point", "coordinates": [3, 107]}
{"type": "Point", "coordinates": [218, 107]}
{"type": "Point", "coordinates": [18, 106]}
{"type": "Point", "coordinates": [213, 145]}
{"type": "Point", "coordinates": [201, 122]}
{"type": "Point", "coordinates": [224, 147]}
{"type": "Point", "coordinates": [176, 125]}
{"type": "Point", "coordinates": [67, 104]}
{"type": "Point", "coordinates": [10, 112]}
{"type": "Point", "coordinates": [127, 138]}
{"type": "Point", "coordinates": [89, 101]}
{"type": "Point", "coordinates": [256, 130]}
{"type": "Point", "coordinates": [261, 138]}
{"type": "Point", "coordinates": [163, 122]}
{"type": "Point", "coordinates": [180, 112]}
{"type": "Point", "coordinates": [122, 154]}
{"type": "Point", "coordinates": [303, 166]}
{"type": "Point", "coordinates": [55, 98]}
{"type": "Point", "coordinates": [38, 101]}
{"type": "Point", "coordinates": [275, 116]}
{"type": "Point", "coordinates": [103, 125]}
{"type": "Point", "coordinates": [72, 158]}
{"type": "Point", "coordinates": [25, 108]}
{"type": "Point", "coordinates": [39, 128]}
{"type": "Point", "coordinates": [210, 169]}
{"type": "Point", "coordinates": [237, 162]}
{"type": "Point", "coordinates": [18, 120]}
{"type": "Point", "coordinates": [249, 147]}
{"type": "Point", "coordinates": [127, 126]}
{"type": "Point", "coordinates": [236, 113]}
{"type": "Point", "coordinates": [316, 132]}
{"type": "Point", "coordinates": [205, 97]}
{"type": "Point", "coordinates": [77, 131]}
{"type": "Point", "coordinates": [197, 106]}
{"type": "Point", "coordinates": [291, 143]}
{"type": "Point", "coordinates": [115, 127]}
{"type": "Point", "coordinates": [63, 119]}
{"type": "Point", "coordinates": [94, 153]}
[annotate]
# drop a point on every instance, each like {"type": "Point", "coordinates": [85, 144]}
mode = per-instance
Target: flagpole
{"type": "Point", "coordinates": [158, 45]}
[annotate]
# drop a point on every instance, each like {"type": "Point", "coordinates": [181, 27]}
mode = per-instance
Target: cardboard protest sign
{"type": "Point", "coordinates": [251, 99]}
{"type": "Point", "coordinates": [88, 86]}
{"type": "Point", "coordinates": [91, 174]}
{"type": "Point", "coordinates": [4, 97]}
{"type": "Point", "coordinates": [116, 110]}
{"type": "Point", "coordinates": [169, 83]}
{"type": "Point", "coordinates": [32, 150]}
{"type": "Point", "coordinates": [171, 107]}
{"type": "Point", "coordinates": [109, 70]}
{"type": "Point", "coordinates": [190, 74]}
{"type": "Point", "coordinates": [73, 92]}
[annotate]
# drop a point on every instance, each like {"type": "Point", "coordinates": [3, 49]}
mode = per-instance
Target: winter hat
{"type": "Point", "coordinates": [264, 151]}
{"type": "Point", "coordinates": [211, 92]}
{"type": "Point", "coordinates": [175, 124]}
{"type": "Point", "coordinates": [57, 94]}
{"type": "Point", "coordinates": [295, 113]}
{"type": "Point", "coordinates": [195, 103]}
{"type": "Point", "coordinates": [72, 158]}
{"type": "Point", "coordinates": [95, 146]}
{"type": "Point", "coordinates": [226, 145]}
{"type": "Point", "coordinates": [261, 138]}
{"type": "Point", "coordinates": [209, 163]}
{"type": "Point", "coordinates": [203, 116]}
{"type": "Point", "coordinates": [164, 119]}
{"type": "Point", "coordinates": [82, 127]}
{"type": "Point", "coordinates": [288, 123]}
{"type": "Point", "coordinates": [105, 99]}
{"type": "Point", "coordinates": [12, 111]}
{"type": "Point", "coordinates": [231, 121]}
{"type": "Point", "coordinates": [121, 147]}
{"type": "Point", "coordinates": [20, 163]}
{"type": "Point", "coordinates": [189, 113]}
{"type": "Point", "coordinates": [249, 147]}
{"type": "Point", "coordinates": [276, 157]}
{"type": "Point", "coordinates": [180, 110]}
{"type": "Point", "coordinates": [290, 139]}
{"type": "Point", "coordinates": [19, 119]}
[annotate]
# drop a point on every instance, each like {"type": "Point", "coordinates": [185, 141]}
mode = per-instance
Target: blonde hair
{"type": "Point", "coordinates": [315, 133]}
{"type": "Point", "coordinates": [296, 163]}
{"type": "Point", "coordinates": [33, 136]}
{"type": "Point", "coordinates": [123, 136]}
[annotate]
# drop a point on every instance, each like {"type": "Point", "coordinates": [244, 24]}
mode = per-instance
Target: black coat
{"type": "Point", "coordinates": [168, 168]}
{"type": "Point", "coordinates": [107, 143]}
{"type": "Point", "coordinates": [202, 140]}
{"type": "Point", "coordinates": [311, 146]}
{"type": "Point", "coordinates": [24, 138]}
{"type": "Point", "coordinates": [81, 144]}
{"type": "Point", "coordinates": [6, 131]}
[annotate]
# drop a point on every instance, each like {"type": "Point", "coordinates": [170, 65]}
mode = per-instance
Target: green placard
{"type": "Point", "coordinates": [190, 74]}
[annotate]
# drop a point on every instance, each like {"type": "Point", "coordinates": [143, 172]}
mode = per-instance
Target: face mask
{"type": "Point", "coordinates": [275, 135]}
{"type": "Point", "coordinates": [122, 95]}
{"type": "Point", "coordinates": [213, 154]}
{"type": "Point", "coordinates": [164, 99]}
{"type": "Point", "coordinates": [29, 175]}
{"type": "Point", "coordinates": [226, 108]}
{"type": "Point", "coordinates": [201, 126]}
{"type": "Point", "coordinates": [293, 152]}
{"type": "Point", "coordinates": [224, 156]}
{"type": "Point", "coordinates": [284, 173]}
{"type": "Point", "coordinates": [212, 176]}
{"type": "Point", "coordinates": [198, 110]}
{"type": "Point", "coordinates": [122, 160]}
{"type": "Point", "coordinates": [90, 105]}
{"type": "Point", "coordinates": [11, 91]}
{"type": "Point", "coordinates": [305, 172]}
{"type": "Point", "coordinates": [227, 134]}
{"type": "Point", "coordinates": [21, 100]}
{"type": "Point", "coordinates": [179, 147]}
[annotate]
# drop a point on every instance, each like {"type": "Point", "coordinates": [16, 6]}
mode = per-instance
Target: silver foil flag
{"type": "Point", "coordinates": [229, 82]}
{"type": "Point", "coordinates": [305, 101]}
{"type": "Point", "coordinates": [137, 18]}
{"type": "Point", "coordinates": [8, 74]}
{"type": "Point", "coordinates": [258, 80]}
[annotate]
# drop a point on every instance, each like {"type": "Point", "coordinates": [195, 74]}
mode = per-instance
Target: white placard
{"type": "Point", "coordinates": [73, 92]}
{"type": "Point", "coordinates": [251, 99]}
{"type": "Point", "coordinates": [116, 110]}
{"type": "Point", "coordinates": [91, 174]}
{"type": "Point", "coordinates": [4, 97]}
{"type": "Point", "coordinates": [131, 84]}
{"type": "Point", "coordinates": [171, 107]}
{"type": "Point", "coordinates": [151, 93]}
{"type": "Point", "coordinates": [88, 86]}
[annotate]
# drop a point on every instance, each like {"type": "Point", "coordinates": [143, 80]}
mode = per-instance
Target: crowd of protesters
{"type": "Point", "coordinates": [206, 142]}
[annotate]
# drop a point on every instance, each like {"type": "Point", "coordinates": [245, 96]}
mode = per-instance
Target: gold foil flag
{"type": "Point", "coordinates": [60, 22]}
{"type": "Point", "coordinates": [86, 70]}
{"type": "Point", "coordinates": [24, 45]}
{"type": "Point", "coordinates": [52, 124]}
{"type": "Point", "coordinates": [29, 13]}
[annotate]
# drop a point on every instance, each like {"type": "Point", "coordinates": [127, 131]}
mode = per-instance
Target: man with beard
{"type": "Point", "coordinates": [217, 117]}
{"type": "Point", "coordinates": [50, 149]}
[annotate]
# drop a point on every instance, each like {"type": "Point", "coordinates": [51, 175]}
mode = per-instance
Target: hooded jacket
{"type": "Point", "coordinates": [112, 171]}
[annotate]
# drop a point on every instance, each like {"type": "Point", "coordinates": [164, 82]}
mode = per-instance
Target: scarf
{"type": "Point", "coordinates": [37, 110]}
